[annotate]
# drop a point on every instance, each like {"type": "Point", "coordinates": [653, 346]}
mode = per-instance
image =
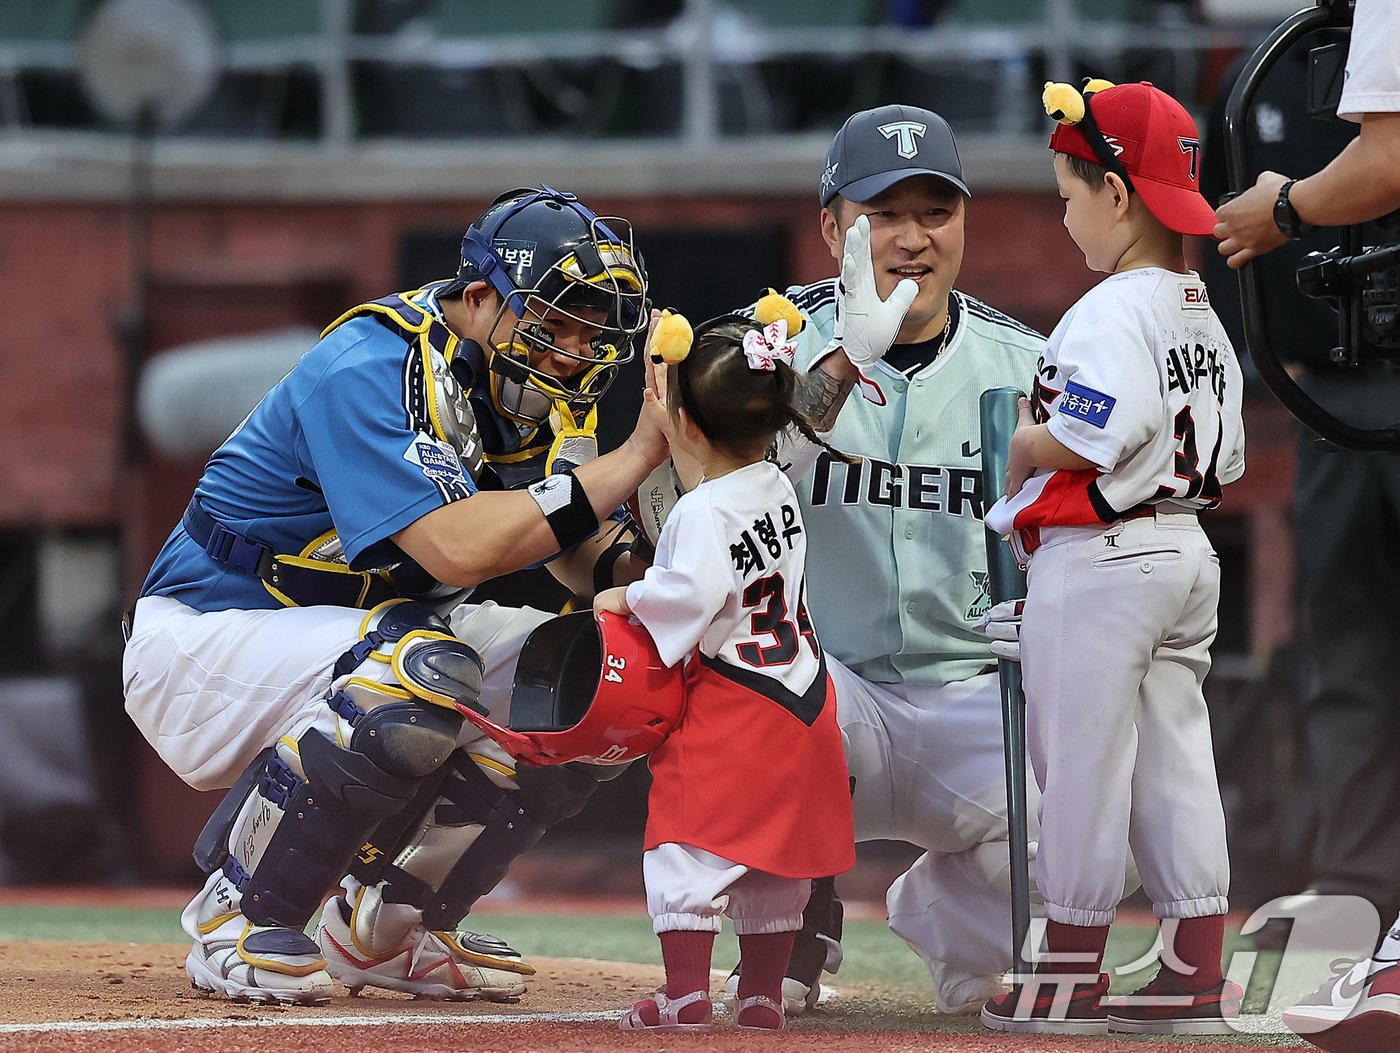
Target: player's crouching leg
{"type": "Point", "coordinates": [395, 924]}
{"type": "Point", "coordinates": [370, 942]}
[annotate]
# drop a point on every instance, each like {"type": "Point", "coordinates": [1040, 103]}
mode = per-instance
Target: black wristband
{"type": "Point", "coordinates": [565, 505]}
{"type": "Point", "coordinates": [603, 569]}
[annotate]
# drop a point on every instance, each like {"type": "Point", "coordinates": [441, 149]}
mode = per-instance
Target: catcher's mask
{"type": "Point", "coordinates": [589, 686]}
{"type": "Point", "coordinates": [552, 259]}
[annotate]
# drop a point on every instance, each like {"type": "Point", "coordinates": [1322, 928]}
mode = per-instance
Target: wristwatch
{"type": "Point", "coordinates": [1286, 217]}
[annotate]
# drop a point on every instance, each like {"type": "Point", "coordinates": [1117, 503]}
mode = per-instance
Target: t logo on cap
{"type": "Point", "coordinates": [1192, 147]}
{"type": "Point", "coordinates": [861, 165]}
{"type": "Point", "coordinates": [905, 132]}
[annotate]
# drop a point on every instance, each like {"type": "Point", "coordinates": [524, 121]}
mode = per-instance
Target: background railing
{"type": "Point", "coordinates": [348, 98]}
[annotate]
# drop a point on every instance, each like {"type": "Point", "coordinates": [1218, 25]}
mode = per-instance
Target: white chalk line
{"type": "Point", "coordinates": [198, 1023]}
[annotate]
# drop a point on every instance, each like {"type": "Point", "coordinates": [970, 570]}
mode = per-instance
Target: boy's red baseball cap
{"type": "Point", "coordinates": [1157, 142]}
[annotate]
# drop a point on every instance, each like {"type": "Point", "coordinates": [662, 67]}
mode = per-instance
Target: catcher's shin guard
{"type": "Point", "coordinates": [454, 845]}
{"type": "Point", "coordinates": [295, 819]}
{"type": "Point", "coordinates": [545, 796]}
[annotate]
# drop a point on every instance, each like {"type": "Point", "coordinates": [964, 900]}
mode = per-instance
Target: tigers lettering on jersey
{"type": "Point", "coordinates": [921, 487]}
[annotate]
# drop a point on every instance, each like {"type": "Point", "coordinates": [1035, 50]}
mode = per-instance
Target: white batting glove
{"type": "Point", "coordinates": [865, 324]}
{"type": "Point", "coordinates": [1002, 625]}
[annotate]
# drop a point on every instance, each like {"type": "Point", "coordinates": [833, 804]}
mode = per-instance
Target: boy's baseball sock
{"type": "Point", "coordinates": [1198, 943]}
{"type": "Point", "coordinates": [763, 961]}
{"type": "Point", "coordinates": [1074, 949]}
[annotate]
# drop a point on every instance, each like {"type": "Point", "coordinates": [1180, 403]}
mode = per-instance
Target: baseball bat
{"type": "Point", "coordinates": [1006, 581]}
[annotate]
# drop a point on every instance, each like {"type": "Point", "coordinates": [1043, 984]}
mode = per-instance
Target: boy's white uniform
{"type": "Point", "coordinates": [1139, 378]}
{"type": "Point", "coordinates": [896, 578]}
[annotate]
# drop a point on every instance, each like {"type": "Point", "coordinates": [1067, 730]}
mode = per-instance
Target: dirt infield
{"type": "Point", "coordinates": [63, 996]}
{"type": "Point", "coordinates": [103, 997]}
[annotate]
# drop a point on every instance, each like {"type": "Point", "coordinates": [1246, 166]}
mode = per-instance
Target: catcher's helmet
{"type": "Point", "coordinates": [589, 687]}
{"type": "Point", "coordinates": [547, 254]}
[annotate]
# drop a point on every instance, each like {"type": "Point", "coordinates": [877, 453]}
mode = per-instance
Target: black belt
{"type": "Point", "coordinates": [305, 586]}
{"type": "Point", "coordinates": [227, 546]}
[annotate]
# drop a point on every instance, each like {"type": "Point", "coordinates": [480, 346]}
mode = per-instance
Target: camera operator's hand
{"type": "Point", "coordinates": [1245, 227]}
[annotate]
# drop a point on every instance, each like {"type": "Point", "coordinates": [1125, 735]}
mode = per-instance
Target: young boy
{"type": "Point", "coordinates": [1133, 426]}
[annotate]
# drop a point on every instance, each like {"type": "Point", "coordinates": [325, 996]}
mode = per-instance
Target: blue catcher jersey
{"type": "Point", "coordinates": [350, 441]}
{"type": "Point", "coordinates": [897, 560]}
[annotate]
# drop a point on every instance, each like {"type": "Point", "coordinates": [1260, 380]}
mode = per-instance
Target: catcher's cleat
{"type": "Point", "coordinates": [234, 958]}
{"type": "Point", "coordinates": [370, 943]}
{"type": "Point", "coordinates": [797, 996]}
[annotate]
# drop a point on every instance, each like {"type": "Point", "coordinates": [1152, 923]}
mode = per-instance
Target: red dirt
{"type": "Point", "coordinates": [103, 997]}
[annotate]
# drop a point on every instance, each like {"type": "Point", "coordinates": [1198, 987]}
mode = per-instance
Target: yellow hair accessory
{"type": "Point", "coordinates": [774, 305]}
{"type": "Point", "coordinates": [1065, 102]}
{"type": "Point", "coordinates": [670, 342]}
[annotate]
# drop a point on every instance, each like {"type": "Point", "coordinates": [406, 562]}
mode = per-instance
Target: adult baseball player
{"type": "Point", "coordinates": [897, 568]}
{"type": "Point", "coordinates": [300, 640]}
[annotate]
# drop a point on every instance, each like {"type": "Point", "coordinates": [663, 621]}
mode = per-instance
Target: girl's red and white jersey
{"type": "Point", "coordinates": [728, 579]}
{"type": "Point", "coordinates": [1139, 378]}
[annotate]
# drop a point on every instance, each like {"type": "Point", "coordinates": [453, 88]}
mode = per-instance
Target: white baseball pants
{"type": "Point", "coordinates": [929, 768]}
{"type": "Point", "coordinates": [210, 691]}
{"type": "Point", "coordinates": [1115, 645]}
{"type": "Point", "coordinates": [689, 888]}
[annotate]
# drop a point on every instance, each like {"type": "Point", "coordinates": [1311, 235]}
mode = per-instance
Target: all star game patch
{"type": "Point", "coordinates": [437, 460]}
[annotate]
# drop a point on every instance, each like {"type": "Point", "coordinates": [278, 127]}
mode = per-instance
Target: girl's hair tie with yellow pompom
{"type": "Point", "coordinates": [781, 321]}
{"type": "Point", "coordinates": [1071, 108]}
{"type": "Point", "coordinates": [773, 305]}
{"type": "Point", "coordinates": [671, 340]}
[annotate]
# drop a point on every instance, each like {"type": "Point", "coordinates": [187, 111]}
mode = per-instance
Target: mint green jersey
{"type": "Point", "coordinates": [897, 558]}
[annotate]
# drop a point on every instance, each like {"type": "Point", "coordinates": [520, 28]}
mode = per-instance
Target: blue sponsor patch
{"type": "Point", "coordinates": [1086, 404]}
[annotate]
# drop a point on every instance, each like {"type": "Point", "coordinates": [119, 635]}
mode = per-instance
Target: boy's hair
{"type": "Point", "coordinates": [1085, 171]}
{"type": "Point", "coordinates": [739, 409]}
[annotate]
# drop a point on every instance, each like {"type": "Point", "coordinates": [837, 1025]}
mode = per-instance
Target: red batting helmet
{"type": "Point", "coordinates": [589, 686]}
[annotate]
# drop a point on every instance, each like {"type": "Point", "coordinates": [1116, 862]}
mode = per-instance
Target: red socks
{"type": "Point", "coordinates": [1195, 949]}
{"type": "Point", "coordinates": [1075, 949]}
{"type": "Point", "coordinates": [763, 962]}
{"type": "Point", "coordinates": [686, 955]}
{"type": "Point", "coordinates": [1197, 944]}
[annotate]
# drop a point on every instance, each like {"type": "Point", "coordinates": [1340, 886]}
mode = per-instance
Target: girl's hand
{"type": "Point", "coordinates": [613, 601]}
{"type": "Point", "coordinates": [655, 371]}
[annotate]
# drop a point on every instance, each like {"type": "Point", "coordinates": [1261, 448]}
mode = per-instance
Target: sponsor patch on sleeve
{"type": "Point", "coordinates": [1086, 404]}
{"type": "Point", "coordinates": [437, 460]}
{"type": "Point", "coordinates": [1194, 298]}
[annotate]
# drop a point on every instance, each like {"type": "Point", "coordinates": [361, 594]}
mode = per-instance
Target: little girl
{"type": "Point", "coordinates": [750, 798]}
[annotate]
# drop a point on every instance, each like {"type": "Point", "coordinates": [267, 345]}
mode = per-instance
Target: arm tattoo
{"type": "Point", "coordinates": [820, 397]}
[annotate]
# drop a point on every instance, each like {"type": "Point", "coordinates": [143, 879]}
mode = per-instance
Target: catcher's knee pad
{"type": "Point", "coordinates": [406, 664]}
{"type": "Point", "coordinates": [288, 830]}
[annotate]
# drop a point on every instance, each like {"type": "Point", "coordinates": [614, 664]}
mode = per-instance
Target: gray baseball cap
{"type": "Point", "coordinates": [877, 148]}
